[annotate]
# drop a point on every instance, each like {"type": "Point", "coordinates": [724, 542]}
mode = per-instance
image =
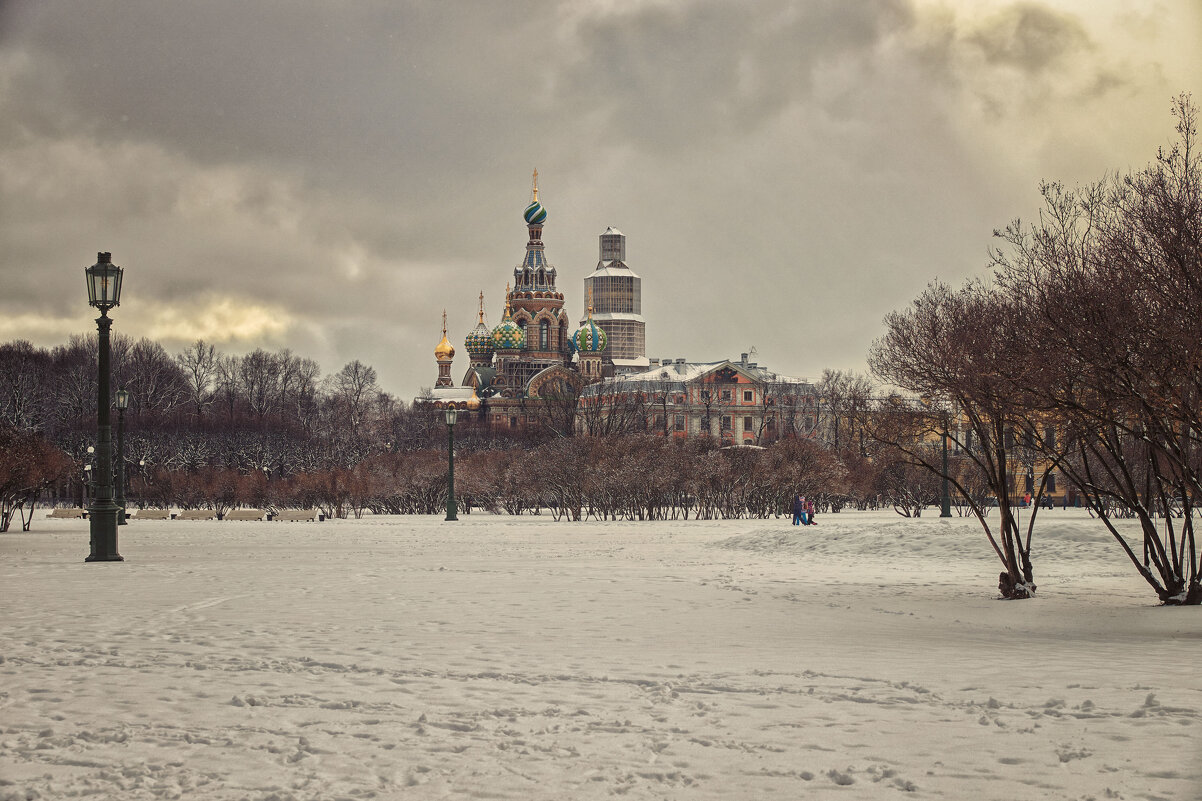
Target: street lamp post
{"type": "Point", "coordinates": [104, 292]}
{"type": "Point", "coordinates": [945, 503]}
{"type": "Point", "coordinates": [451, 414]}
{"type": "Point", "coordinates": [122, 405]}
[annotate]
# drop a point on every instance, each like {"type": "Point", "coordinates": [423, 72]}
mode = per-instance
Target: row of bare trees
{"type": "Point", "coordinates": [629, 477]}
{"type": "Point", "coordinates": [1081, 358]}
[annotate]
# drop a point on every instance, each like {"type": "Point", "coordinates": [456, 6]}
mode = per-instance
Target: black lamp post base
{"type": "Point", "coordinates": [103, 520]}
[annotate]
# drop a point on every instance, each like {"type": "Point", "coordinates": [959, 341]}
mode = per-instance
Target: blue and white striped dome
{"type": "Point", "coordinates": [535, 214]}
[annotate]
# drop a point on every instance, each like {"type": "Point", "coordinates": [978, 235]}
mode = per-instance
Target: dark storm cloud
{"type": "Point", "coordinates": [1030, 37]}
{"type": "Point", "coordinates": [674, 74]}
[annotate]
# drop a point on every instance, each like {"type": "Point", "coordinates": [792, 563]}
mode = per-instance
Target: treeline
{"type": "Point", "coordinates": [629, 477]}
{"type": "Point", "coordinates": [213, 430]}
{"type": "Point", "coordinates": [1080, 359]}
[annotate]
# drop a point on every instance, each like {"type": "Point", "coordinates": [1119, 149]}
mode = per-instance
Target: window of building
{"type": "Point", "coordinates": [705, 425]}
{"type": "Point", "coordinates": [726, 422]}
{"type": "Point", "coordinates": [1051, 483]}
{"type": "Point", "coordinates": [544, 335]}
{"type": "Point", "coordinates": [748, 396]}
{"type": "Point", "coordinates": [705, 394]}
{"type": "Point", "coordinates": [748, 424]}
{"type": "Point", "coordinates": [1049, 437]}
{"type": "Point", "coordinates": [678, 422]}
{"type": "Point", "coordinates": [726, 395]}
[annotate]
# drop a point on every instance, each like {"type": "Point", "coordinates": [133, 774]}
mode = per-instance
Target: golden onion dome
{"type": "Point", "coordinates": [444, 351]}
{"type": "Point", "coordinates": [473, 403]}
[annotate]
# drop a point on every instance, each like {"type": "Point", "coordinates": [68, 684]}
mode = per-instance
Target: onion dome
{"type": "Point", "coordinates": [479, 339]}
{"type": "Point", "coordinates": [443, 351]}
{"type": "Point", "coordinates": [535, 214]}
{"type": "Point", "coordinates": [589, 338]}
{"type": "Point", "coordinates": [508, 335]}
{"type": "Point", "coordinates": [473, 403]}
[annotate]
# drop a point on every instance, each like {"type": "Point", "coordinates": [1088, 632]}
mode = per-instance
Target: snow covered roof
{"type": "Point", "coordinates": [681, 373]}
{"type": "Point", "coordinates": [445, 394]}
{"type": "Point", "coordinates": [608, 316]}
{"type": "Point", "coordinates": [617, 268]}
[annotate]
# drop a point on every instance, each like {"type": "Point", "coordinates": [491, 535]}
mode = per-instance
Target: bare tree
{"type": "Point", "coordinates": [199, 364]}
{"type": "Point", "coordinates": [258, 377]}
{"type": "Point", "coordinates": [1111, 280]}
{"type": "Point", "coordinates": [156, 381]}
{"type": "Point", "coordinates": [24, 394]}
{"type": "Point", "coordinates": [954, 347]}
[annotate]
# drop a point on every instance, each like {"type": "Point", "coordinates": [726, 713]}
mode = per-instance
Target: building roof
{"type": "Point", "coordinates": [612, 267]}
{"type": "Point", "coordinates": [610, 316]}
{"type": "Point", "coordinates": [678, 374]}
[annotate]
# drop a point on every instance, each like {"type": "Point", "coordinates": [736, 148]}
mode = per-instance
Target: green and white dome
{"type": "Point", "coordinates": [508, 335]}
{"type": "Point", "coordinates": [589, 338]}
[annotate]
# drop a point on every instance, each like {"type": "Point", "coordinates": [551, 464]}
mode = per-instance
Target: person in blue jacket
{"type": "Point", "coordinates": [799, 510]}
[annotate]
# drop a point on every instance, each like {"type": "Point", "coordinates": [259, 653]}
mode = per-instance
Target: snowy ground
{"type": "Point", "coordinates": [520, 658]}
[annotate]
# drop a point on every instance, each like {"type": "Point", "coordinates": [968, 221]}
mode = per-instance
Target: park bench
{"type": "Point", "coordinates": [293, 515]}
{"type": "Point", "coordinates": [196, 514]}
{"type": "Point", "coordinates": [152, 514]}
{"type": "Point", "coordinates": [68, 512]}
{"type": "Point", "coordinates": [245, 514]}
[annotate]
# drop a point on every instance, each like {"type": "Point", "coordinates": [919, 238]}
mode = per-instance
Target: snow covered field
{"type": "Point", "coordinates": [520, 658]}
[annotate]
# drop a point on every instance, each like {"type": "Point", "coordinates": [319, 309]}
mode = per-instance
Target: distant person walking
{"type": "Point", "coordinates": [799, 509]}
{"type": "Point", "coordinates": [810, 521]}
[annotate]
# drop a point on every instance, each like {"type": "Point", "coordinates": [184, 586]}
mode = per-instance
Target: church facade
{"type": "Point", "coordinates": [533, 358]}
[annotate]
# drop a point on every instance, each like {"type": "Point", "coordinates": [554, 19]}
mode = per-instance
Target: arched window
{"type": "Point", "coordinates": [544, 335]}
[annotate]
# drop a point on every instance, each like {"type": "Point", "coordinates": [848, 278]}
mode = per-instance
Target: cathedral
{"type": "Point", "coordinates": [533, 357]}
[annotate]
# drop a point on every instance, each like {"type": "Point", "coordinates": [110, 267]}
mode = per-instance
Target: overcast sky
{"type": "Point", "coordinates": [328, 176]}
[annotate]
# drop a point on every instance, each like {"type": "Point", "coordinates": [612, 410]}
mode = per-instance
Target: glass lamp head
{"type": "Point", "coordinates": [104, 282]}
